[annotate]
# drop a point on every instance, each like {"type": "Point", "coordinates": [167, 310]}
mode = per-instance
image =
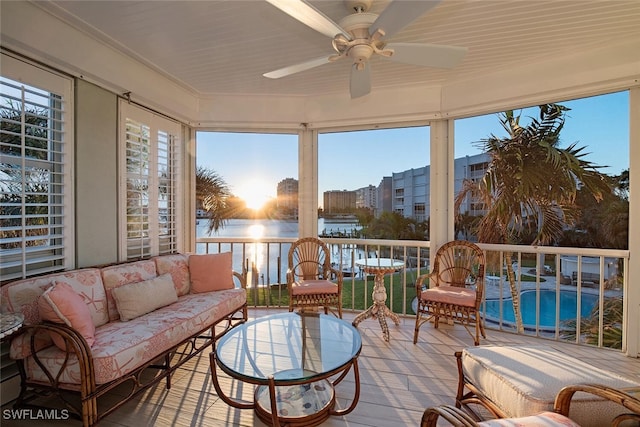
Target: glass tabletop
{"type": "Point", "coordinates": [9, 323]}
{"type": "Point", "coordinates": [380, 263]}
{"type": "Point", "coordinates": [289, 346]}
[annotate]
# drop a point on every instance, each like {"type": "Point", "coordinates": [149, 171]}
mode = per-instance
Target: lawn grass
{"type": "Point", "coordinates": [276, 295]}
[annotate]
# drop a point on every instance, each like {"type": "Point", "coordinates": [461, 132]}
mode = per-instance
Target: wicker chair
{"type": "Point", "coordinates": [311, 280]}
{"type": "Point", "coordinates": [559, 417]}
{"type": "Point", "coordinates": [457, 287]}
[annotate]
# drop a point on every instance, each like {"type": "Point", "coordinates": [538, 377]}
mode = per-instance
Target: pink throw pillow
{"type": "Point", "coordinates": [211, 272]}
{"type": "Point", "coordinates": [60, 303]}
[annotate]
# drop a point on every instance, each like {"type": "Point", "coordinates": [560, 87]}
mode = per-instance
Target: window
{"type": "Point", "coordinates": [36, 156]}
{"type": "Point", "coordinates": [419, 212]}
{"type": "Point", "coordinates": [150, 162]}
{"type": "Point", "coordinates": [596, 128]}
{"type": "Point", "coordinates": [259, 176]}
{"type": "Point", "coordinates": [384, 162]}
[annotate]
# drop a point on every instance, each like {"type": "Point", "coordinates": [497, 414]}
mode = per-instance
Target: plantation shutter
{"type": "Point", "coordinates": [150, 162]}
{"type": "Point", "coordinates": [36, 156]}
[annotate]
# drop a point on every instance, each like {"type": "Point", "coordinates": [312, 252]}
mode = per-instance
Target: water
{"type": "Point", "coordinates": [267, 263]}
{"type": "Point", "coordinates": [271, 228]}
{"type": "Point", "coordinates": [568, 307]}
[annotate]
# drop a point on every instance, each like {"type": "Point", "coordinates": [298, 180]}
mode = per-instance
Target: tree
{"type": "Point", "coordinates": [604, 224]}
{"type": "Point", "coordinates": [590, 325]}
{"type": "Point", "coordinates": [465, 224]}
{"type": "Point", "coordinates": [530, 185]}
{"type": "Point", "coordinates": [24, 200]}
{"type": "Point", "coordinates": [213, 196]}
{"type": "Point", "coordinates": [394, 226]}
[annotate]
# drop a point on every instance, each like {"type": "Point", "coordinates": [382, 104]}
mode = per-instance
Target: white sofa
{"type": "Point", "coordinates": [164, 327]}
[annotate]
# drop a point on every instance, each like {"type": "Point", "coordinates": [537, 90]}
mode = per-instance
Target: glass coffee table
{"type": "Point", "coordinates": [295, 360]}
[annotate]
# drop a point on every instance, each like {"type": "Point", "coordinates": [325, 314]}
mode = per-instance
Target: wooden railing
{"type": "Point", "coordinates": [559, 296]}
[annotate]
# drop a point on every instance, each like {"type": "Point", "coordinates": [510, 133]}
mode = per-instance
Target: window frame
{"type": "Point", "coordinates": [60, 164]}
{"type": "Point", "coordinates": [161, 131]}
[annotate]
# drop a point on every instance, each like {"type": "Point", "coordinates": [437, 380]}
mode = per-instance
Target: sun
{"type": "Point", "coordinates": [255, 194]}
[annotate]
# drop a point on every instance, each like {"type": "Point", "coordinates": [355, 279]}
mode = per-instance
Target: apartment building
{"type": "Point", "coordinates": [410, 188]}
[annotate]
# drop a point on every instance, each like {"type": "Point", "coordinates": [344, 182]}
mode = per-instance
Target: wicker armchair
{"type": "Point", "coordinates": [311, 281]}
{"type": "Point", "coordinates": [559, 417]}
{"type": "Point", "coordinates": [456, 290]}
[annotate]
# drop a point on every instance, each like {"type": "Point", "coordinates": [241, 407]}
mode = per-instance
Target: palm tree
{"type": "Point", "coordinates": [530, 185]}
{"type": "Point", "coordinates": [23, 187]}
{"type": "Point", "coordinates": [212, 195]}
{"type": "Point", "coordinates": [393, 225]}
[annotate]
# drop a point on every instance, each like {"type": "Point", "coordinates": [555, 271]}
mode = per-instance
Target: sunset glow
{"type": "Point", "coordinates": [255, 194]}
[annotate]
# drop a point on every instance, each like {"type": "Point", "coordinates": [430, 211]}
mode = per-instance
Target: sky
{"type": "Point", "coordinates": [253, 164]}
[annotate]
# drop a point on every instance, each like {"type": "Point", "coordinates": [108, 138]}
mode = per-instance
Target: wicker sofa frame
{"type": "Point", "coordinates": [164, 364]}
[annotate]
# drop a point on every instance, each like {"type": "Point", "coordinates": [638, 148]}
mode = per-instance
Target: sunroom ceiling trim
{"type": "Point", "coordinates": [27, 28]}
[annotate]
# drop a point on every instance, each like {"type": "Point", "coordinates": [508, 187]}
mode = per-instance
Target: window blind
{"type": "Point", "coordinates": [151, 159]}
{"type": "Point", "coordinates": [34, 189]}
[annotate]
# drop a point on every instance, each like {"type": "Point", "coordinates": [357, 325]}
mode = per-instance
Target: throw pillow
{"type": "Point", "coordinates": [135, 299]}
{"type": "Point", "coordinates": [60, 303]}
{"type": "Point", "coordinates": [211, 272]}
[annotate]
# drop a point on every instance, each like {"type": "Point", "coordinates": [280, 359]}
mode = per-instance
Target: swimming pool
{"type": "Point", "coordinates": [568, 308]}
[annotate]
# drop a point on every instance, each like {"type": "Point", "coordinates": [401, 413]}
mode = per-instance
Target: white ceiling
{"type": "Point", "coordinates": [224, 47]}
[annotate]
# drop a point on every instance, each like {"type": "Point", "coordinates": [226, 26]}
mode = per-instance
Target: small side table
{"type": "Point", "coordinates": [379, 267]}
{"type": "Point", "coordinates": [10, 323]}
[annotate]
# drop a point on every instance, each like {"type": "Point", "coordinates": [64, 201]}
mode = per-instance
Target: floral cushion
{"type": "Point", "coordinates": [22, 296]}
{"type": "Point", "coordinates": [121, 347]}
{"type": "Point", "coordinates": [178, 266]}
{"type": "Point", "coordinates": [123, 274]}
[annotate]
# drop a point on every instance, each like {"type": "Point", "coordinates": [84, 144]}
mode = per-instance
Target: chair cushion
{"type": "Point", "coordinates": [308, 287]}
{"type": "Point", "coordinates": [545, 419]}
{"type": "Point", "coordinates": [450, 295]}
{"type": "Point", "coordinates": [524, 380]}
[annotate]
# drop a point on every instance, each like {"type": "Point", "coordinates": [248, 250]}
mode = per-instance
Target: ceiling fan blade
{"type": "Point", "coordinates": [426, 55]}
{"type": "Point", "coordinates": [399, 14]}
{"type": "Point", "coordinates": [360, 84]}
{"type": "Point", "coordinates": [296, 68]}
{"type": "Point", "coordinates": [310, 16]}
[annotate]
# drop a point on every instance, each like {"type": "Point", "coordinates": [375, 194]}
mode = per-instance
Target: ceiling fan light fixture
{"type": "Point", "coordinates": [362, 34]}
{"type": "Point", "coordinates": [360, 52]}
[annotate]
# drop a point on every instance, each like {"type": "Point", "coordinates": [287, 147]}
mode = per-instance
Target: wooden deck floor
{"type": "Point", "coordinates": [398, 381]}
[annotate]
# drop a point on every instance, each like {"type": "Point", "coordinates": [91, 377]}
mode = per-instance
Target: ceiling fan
{"type": "Point", "coordinates": [362, 34]}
